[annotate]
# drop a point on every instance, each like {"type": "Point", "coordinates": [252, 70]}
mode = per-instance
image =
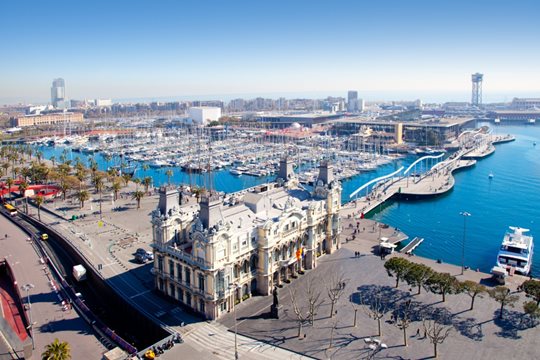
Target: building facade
{"type": "Point", "coordinates": [352, 101]}
{"type": "Point", "coordinates": [58, 92]}
{"type": "Point", "coordinates": [204, 115]}
{"type": "Point", "coordinates": [213, 255]}
{"type": "Point", "coordinates": [49, 119]}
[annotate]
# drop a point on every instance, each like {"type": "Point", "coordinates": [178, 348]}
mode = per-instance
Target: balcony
{"type": "Point", "coordinates": [187, 257]}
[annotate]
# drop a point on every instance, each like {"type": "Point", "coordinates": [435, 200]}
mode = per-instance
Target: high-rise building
{"type": "Point", "coordinates": [477, 89]}
{"type": "Point", "coordinates": [58, 92]}
{"type": "Point", "coordinates": [352, 101]}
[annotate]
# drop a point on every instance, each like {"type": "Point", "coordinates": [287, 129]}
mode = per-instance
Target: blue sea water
{"type": "Point", "coordinates": [511, 198]}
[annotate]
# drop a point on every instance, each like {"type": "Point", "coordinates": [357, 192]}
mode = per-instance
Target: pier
{"type": "Point", "coordinates": [426, 179]}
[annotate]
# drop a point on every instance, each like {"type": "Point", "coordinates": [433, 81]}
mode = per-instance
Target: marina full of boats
{"type": "Point", "coordinates": [243, 153]}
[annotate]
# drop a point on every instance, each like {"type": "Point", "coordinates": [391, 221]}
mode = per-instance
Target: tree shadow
{"type": "Point", "coordinates": [512, 322]}
{"type": "Point", "coordinates": [469, 328]}
{"type": "Point", "coordinates": [390, 296]}
{"type": "Point", "coordinates": [120, 208]}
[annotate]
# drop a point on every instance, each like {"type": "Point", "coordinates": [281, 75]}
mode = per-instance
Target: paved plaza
{"type": "Point", "coordinates": [476, 334]}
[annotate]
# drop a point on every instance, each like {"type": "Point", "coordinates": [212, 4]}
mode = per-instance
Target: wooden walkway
{"type": "Point", "coordinates": [435, 181]}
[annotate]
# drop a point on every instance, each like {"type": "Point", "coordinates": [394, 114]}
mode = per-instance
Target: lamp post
{"type": "Point", "coordinates": [234, 286]}
{"type": "Point", "coordinates": [27, 288]}
{"type": "Point", "coordinates": [465, 216]}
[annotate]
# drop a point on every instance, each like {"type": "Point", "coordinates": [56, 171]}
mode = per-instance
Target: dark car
{"type": "Point", "coordinates": [140, 251]}
{"type": "Point", "coordinates": [141, 258]}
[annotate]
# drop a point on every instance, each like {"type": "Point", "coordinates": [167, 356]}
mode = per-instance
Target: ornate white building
{"type": "Point", "coordinates": [212, 255]}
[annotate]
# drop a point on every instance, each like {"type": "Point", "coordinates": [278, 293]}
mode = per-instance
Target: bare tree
{"type": "Point", "coordinates": [403, 318]}
{"type": "Point", "coordinates": [302, 315]}
{"type": "Point", "coordinates": [436, 332]}
{"type": "Point", "coordinates": [314, 300]}
{"type": "Point", "coordinates": [335, 289]}
{"type": "Point", "coordinates": [375, 309]}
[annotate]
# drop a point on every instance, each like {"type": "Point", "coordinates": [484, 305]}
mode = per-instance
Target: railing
{"type": "Point", "coordinates": [193, 260]}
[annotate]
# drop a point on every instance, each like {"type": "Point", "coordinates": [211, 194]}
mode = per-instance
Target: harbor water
{"type": "Point", "coordinates": [509, 198]}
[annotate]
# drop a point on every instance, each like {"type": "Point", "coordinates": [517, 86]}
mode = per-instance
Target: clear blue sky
{"type": "Point", "coordinates": [129, 49]}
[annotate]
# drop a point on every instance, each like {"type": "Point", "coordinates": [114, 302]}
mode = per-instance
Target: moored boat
{"type": "Point", "coordinates": [516, 252]}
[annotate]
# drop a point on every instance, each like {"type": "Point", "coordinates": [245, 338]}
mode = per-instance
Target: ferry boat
{"type": "Point", "coordinates": [516, 251]}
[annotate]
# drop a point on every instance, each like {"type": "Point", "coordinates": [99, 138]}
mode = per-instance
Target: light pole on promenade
{"type": "Point", "coordinates": [27, 288]}
{"type": "Point", "coordinates": [465, 216]}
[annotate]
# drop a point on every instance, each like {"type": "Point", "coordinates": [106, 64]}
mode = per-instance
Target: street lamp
{"type": "Point", "coordinates": [234, 286]}
{"type": "Point", "coordinates": [27, 288]}
{"type": "Point", "coordinates": [465, 216]}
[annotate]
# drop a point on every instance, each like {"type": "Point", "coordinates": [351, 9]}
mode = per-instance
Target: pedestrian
{"type": "Point", "coordinates": [417, 332]}
{"type": "Point", "coordinates": [425, 333]}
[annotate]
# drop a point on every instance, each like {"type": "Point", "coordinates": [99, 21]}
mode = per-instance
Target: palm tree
{"type": "Point", "coordinates": [146, 182]}
{"type": "Point", "coordinates": [169, 174]}
{"type": "Point", "coordinates": [99, 184]}
{"type": "Point", "coordinates": [126, 178]}
{"type": "Point", "coordinates": [39, 156]}
{"type": "Point", "coordinates": [138, 195]}
{"type": "Point", "coordinates": [145, 167]}
{"type": "Point", "coordinates": [39, 201]}
{"type": "Point", "coordinates": [137, 181]}
{"type": "Point", "coordinates": [53, 160]}
{"type": "Point", "coordinates": [9, 184]}
{"type": "Point", "coordinates": [23, 186]}
{"type": "Point", "coordinates": [116, 186]}
{"type": "Point", "coordinates": [82, 196]}
{"type": "Point", "coordinates": [64, 187]}
{"type": "Point", "coordinates": [5, 167]}
{"type": "Point", "coordinates": [57, 351]}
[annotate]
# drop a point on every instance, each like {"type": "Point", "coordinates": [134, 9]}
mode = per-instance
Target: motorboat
{"type": "Point", "coordinates": [516, 252]}
{"type": "Point", "coordinates": [490, 176]}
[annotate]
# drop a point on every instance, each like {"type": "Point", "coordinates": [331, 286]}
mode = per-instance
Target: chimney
{"type": "Point", "coordinates": [168, 199]}
{"type": "Point", "coordinates": [210, 212]}
{"type": "Point", "coordinates": [285, 169]}
{"type": "Point", "coordinates": [326, 174]}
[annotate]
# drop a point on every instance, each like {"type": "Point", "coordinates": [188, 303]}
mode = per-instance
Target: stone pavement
{"type": "Point", "coordinates": [475, 334]}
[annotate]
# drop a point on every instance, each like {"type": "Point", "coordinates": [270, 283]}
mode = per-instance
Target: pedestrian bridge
{"type": "Point", "coordinates": [416, 165]}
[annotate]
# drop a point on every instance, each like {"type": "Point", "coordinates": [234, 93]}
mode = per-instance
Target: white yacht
{"type": "Point", "coordinates": [516, 251]}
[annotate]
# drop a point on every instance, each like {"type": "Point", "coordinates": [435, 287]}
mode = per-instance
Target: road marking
{"type": "Point", "coordinates": [139, 294]}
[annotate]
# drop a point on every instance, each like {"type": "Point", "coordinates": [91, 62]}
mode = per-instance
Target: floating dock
{"type": "Point", "coordinates": [409, 248]}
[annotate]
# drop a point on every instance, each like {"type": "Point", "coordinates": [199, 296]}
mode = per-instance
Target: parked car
{"type": "Point", "coordinates": [141, 258]}
{"type": "Point", "coordinates": [140, 251]}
